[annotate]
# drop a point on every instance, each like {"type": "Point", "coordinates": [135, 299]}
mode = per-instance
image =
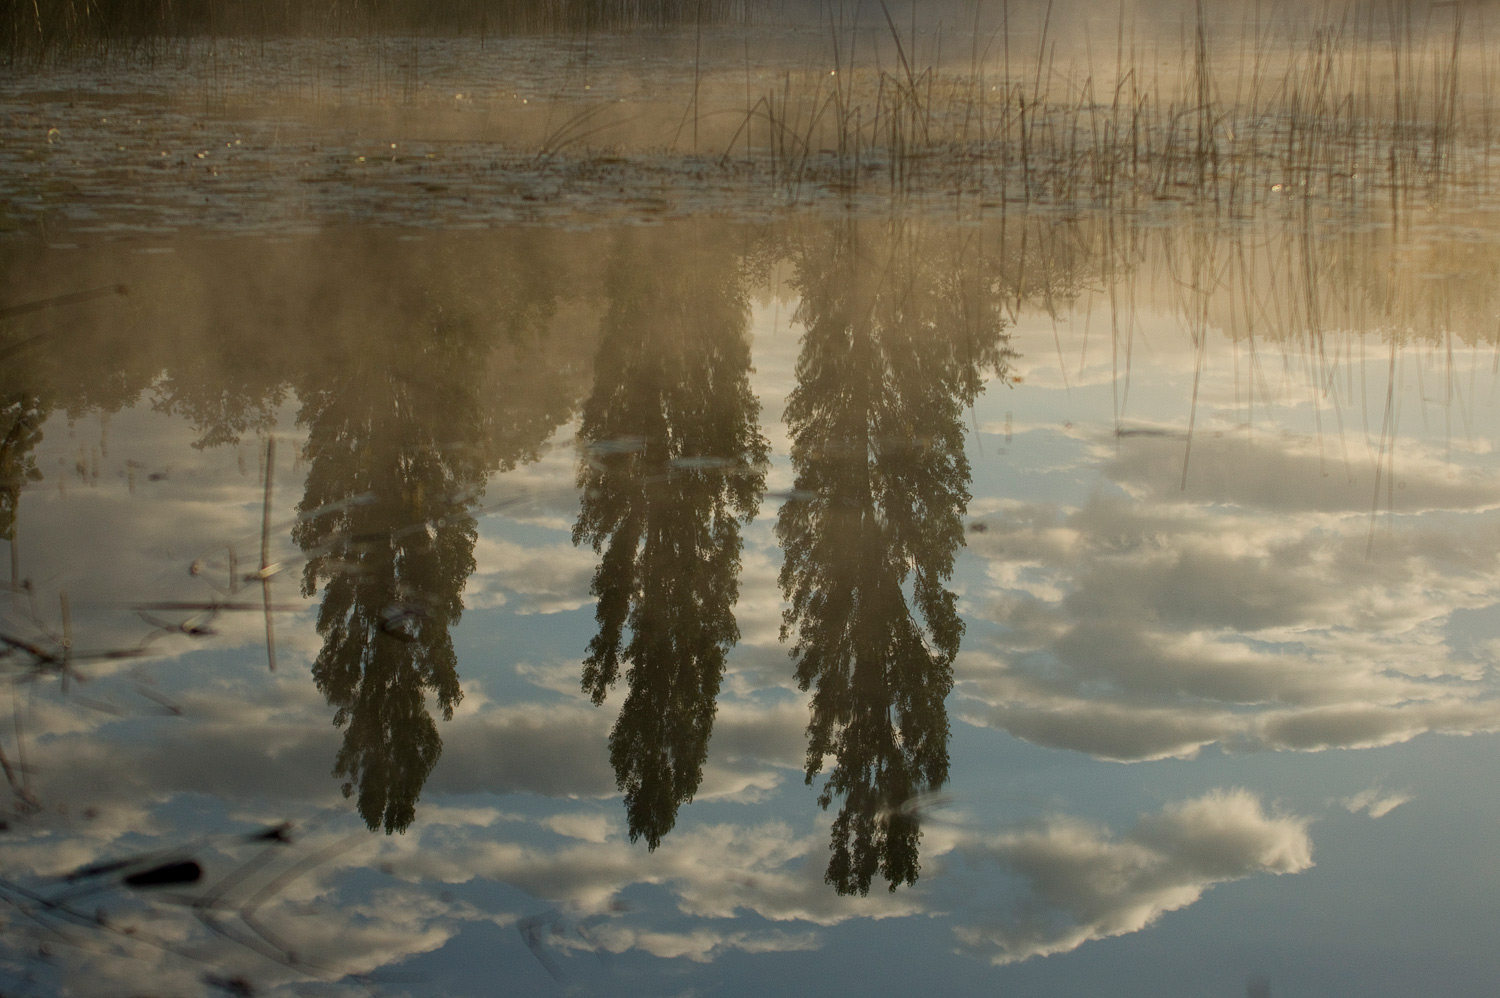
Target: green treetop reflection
{"type": "Point", "coordinates": [897, 339]}
{"type": "Point", "coordinates": [671, 462]}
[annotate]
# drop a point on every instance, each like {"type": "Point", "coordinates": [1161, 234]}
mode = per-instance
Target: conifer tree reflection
{"type": "Point", "coordinates": [896, 343]}
{"type": "Point", "coordinates": [432, 367]}
{"type": "Point", "coordinates": [63, 351]}
{"type": "Point", "coordinates": [21, 418]}
{"type": "Point", "coordinates": [397, 464]}
{"type": "Point", "coordinates": [672, 461]}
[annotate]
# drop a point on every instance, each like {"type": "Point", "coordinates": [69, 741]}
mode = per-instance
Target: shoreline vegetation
{"type": "Point", "coordinates": [1350, 106]}
{"type": "Point", "coordinates": [36, 26]}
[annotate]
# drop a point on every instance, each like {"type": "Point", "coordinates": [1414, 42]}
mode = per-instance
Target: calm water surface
{"type": "Point", "coordinates": [839, 603]}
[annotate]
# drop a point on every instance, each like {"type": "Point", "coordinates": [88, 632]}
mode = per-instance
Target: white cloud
{"type": "Point", "coordinates": [585, 825]}
{"type": "Point", "coordinates": [713, 871]}
{"type": "Point", "coordinates": [1293, 474]}
{"type": "Point", "coordinates": [1375, 802]}
{"type": "Point", "coordinates": [540, 493]}
{"type": "Point", "coordinates": [530, 578]}
{"type": "Point", "coordinates": [701, 945]}
{"type": "Point", "coordinates": [1141, 630]}
{"type": "Point", "coordinates": [559, 677]}
{"type": "Point", "coordinates": [553, 750]}
{"type": "Point", "coordinates": [1082, 884]}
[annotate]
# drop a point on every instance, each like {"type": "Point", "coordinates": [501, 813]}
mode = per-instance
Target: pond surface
{"type": "Point", "coordinates": [824, 600]}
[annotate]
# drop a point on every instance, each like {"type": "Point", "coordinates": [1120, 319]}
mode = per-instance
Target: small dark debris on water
{"type": "Point", "coordinates": [230, 985]}
{"type": "Point", "coordinates": [96, 869]}
{"type": "Point", "coordinates": [186, 871]}
{"type": "Point", "coordinates": [276, 833]}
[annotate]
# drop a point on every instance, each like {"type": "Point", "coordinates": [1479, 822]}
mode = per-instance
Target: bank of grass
{"type": "Point", "coordinates": [38, 28]}
{"type": "Point", "coordinates": [1345, 104]}
{"type": "Point", "coordinates": [1356, 105]}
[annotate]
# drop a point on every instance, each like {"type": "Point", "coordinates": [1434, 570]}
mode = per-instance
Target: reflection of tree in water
{"type": "Point", "coordinates": [57, 352]}
{"type": "Point", "coordinates": [406, 418]}
{"type": "Point", "coordinates": [403, 431]}
{"type": "Point", "coordinates": [21, 418]}
{"type": "Point", "coordinates": [672, 460]}
{"type": "Point", "coordinates": [897, 339]}
{"type": "Point", "coordinates": [395, 465]}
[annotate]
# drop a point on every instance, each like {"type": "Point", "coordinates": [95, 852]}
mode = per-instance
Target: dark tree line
{"type": "Point", "coordinates": [412, 396]}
